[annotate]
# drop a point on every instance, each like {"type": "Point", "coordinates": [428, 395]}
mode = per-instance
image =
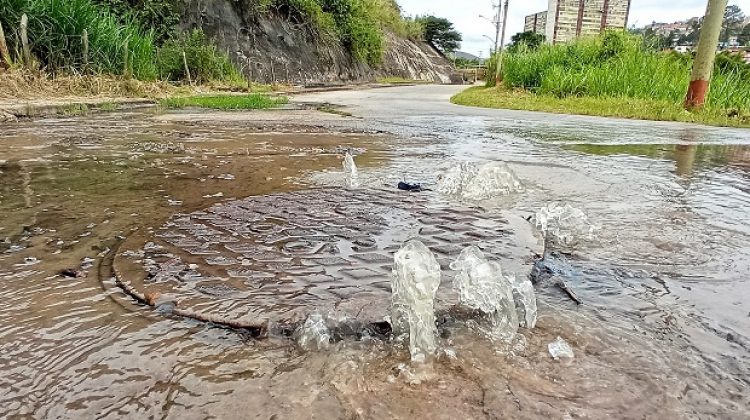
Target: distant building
{"type": "Point", "coordinates": [676, 28]}
{"type": "Point", "coordinates": [570, 19]}
{"type": "Point", "coordinates": [536, 23]}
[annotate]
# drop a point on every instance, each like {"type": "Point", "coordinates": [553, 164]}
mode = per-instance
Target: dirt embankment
{"type": "Point", "coordinates": [275, 50]}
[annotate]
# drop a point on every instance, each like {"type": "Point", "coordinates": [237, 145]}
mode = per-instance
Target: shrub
{"type": "Point", "coordinates": [618, 65]}
{"type": "Point", "coordinates": [205, 62]}
{"type": "Point", "coordinates": [358, 24]}
{"type": "Point", "coordinates": [55, 36]}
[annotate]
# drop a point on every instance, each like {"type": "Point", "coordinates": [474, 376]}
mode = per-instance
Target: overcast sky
{"type": "Point", "coordinates": [465, 15]}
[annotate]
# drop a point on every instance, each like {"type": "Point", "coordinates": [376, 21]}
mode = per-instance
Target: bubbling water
{"type": "Point", "coordinates": [525, 297]}
{"type": "Point", "coordinates": [416, 277]}
{"type": "Point", "coordinates": [564, 226]}
{"type": "Point", "coordinates": [483, 287]}
{"type": "Point", "coordinates": [469, 181]}
{"type": "Point", "coordinates": [314, 333]}
{"type": "Point", "coordinates": [350, 171]}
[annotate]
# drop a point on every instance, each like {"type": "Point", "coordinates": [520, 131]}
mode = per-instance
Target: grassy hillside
{"type": "Point", "coordinates": [139, 38]}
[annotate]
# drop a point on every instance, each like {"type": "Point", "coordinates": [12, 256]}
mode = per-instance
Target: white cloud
{"type": "Point", "coordinates": [465, 15]}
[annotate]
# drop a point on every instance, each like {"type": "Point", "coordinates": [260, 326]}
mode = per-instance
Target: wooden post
{"type": "Point", "coordinates": [187, 68]}
{"type": "Point", "coordinates": [4, 53]}
{"type": "Point", "coordinates": [85, 39]}
{"type": "Point", "coordinates": [126, 60]}
{"type": "Point", "coordinates": [705, 54]}
{"type": "Point", "coordinates": [25, 41]}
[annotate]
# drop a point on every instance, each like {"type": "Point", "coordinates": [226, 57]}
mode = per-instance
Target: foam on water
{"type": "Point", "coordinates": [416, 277]}
{"type": "Point", "coordinates": [469, 181]}
{"type": "Point", "coordinates": [563, 225]}
{"type": "Point", "coordinates": [525, 298]}
{"type": "Point", "coordinates": [483, 287]}
{"type": "Point", "coordinates": [350, 171]}
{"type": "Point", "coordinates": [314, 333]}
{"type": "Point", "coordinates": [560, 349]}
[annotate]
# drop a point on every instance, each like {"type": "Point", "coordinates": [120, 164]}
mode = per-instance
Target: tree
{"type": "Point", "coordinates": [440, 33]}
{"type": "Point", "coordinates": [744, 37]}
{"type": "Point", "coordinates": [654, 41]}
{"type": "Point", "coordinates": [530, 39]}
{"type": "Point", "coordinates": [733, 19]}
{"type": "Point", "coordinates": [691, 36]}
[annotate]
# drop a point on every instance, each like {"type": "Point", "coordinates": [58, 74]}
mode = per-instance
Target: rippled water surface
{"type": "Point", "coordinates": [664, 331]}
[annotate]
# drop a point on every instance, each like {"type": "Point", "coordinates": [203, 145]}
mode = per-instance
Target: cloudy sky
{"type": "Point", "coordinates": [465, 15]}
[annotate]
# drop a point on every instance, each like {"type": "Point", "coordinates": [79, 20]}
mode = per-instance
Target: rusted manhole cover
{"type": "Point", "coordinates": [280, 257]}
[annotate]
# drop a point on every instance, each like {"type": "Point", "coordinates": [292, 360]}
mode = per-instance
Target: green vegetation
{"type": "Point", "coordinates": [465, 63]}
{"type": "Point", "coordinates": [528, 40]}
{"type": "Point", "coordinates": [395, 80]}
{"type": "Point", "coordinates": [225, 102]}
{"type": "Point", "coordinates": [55, 36]}
{"type": "Point", "coordinates": [204, 60]}
{"type": "Point", "coordinates": [145, 34]}
{"type": "Point", "coordinates": [360, 25]}
{"type": "Point", "coordinates": [109, 106]}
{"type": "Point", "coordinates": [620, 107]}
{"type": "Point", "coordinates": [116, 33]}
{"type": "Point", "coordinates": [162, 16]}
{"type": "Point", "coordinates": [440, 33]}
{"type": "Point", "coordinates": [616, 75]}
{"type": "Point", "coordinates": [74, 110]}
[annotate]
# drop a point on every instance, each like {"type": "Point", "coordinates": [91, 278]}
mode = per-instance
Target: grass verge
{"type": "Point", "coordinates": [620, 107]}
{"type": "Point", "coordinates": [225, 102]}
{"type": "Point", "coordinates": [395, 80]}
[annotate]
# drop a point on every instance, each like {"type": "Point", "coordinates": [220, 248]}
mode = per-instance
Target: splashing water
{"type": "Point", "coordinates": [350, 171]}
{"type": "Point", "coordinates": [471, 182]}
{"type": "Point", "coordinates": [314, 333]}
{"type": "Point", "coordinates": [563, 225]}
{"type": "Point", "coordinates": [560, 349]}
{"type": "Point", "coordinates": [482, 286]}
{"type": "Point", "coordinates": [416, 277]}
{"type": "Point", "coordinates": [525, 298]}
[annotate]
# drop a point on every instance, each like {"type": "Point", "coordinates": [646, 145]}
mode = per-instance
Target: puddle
{"type": "Point", "coordinates": [257, 213]}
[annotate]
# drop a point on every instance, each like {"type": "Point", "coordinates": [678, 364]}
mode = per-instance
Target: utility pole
{"type": "Point", "coordinates": [497, 23]}
{"type": "Point", "coordinates": [705, 54]}
{"type": "Point", "coordinates": [501, 48]}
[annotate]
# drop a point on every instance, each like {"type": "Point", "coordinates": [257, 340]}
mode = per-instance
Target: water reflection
{"type": "Point", "coordinates": [688, 158]}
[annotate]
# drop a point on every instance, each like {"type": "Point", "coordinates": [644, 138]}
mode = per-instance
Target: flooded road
{"type": "Point", "coordinates": [664, 331]}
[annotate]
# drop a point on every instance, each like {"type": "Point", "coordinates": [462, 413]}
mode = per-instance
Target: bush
{"type": "Point", "coordinates": [160, 15]}
{"type": "Point", "coordinates": [357, 24]}
{"type": "Point", "coordinates": [55, 36]}
{"type": "Point", "coordinates": [205, 61]}
{"type": "Point", "coordinates": [618, 65]}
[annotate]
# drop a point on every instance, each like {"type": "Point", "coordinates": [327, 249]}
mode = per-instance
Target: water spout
{"type": "Point", "coordinates": [563, 226]}
{"type": "Point", "coordinates": [469, 181]}
{"type": "Point", "coordinates": [416, 277]}
{"type": "Point", "coordinates": [483, 287]}
{"type": "Point", "coordinates": [314, 333]}
{"type": "Point", "coordinates": [350, 171]}
{"type": "Point", "coordinates": [525, 297]}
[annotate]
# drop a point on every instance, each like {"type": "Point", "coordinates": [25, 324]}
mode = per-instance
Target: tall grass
{"type": "Point", "coordinates": [358, 24]}
{"type": "Point", "coordinates": [204, 60]}
{"type": "Point", "coordinates": [617, 65]}
{"type": "Point", "coordinates": [55, 36]}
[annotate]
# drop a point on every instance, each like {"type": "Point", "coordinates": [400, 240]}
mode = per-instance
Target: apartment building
{"type": "Point", "coordinates": [536, 23]}
{"type": "Point", "coordinates": [569, 19]}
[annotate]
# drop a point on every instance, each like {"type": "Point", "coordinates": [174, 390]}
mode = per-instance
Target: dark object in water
{"type": "Point", "coordinates": [405, 186]}
{"type": "Point", "coordinates": [552, 269]}
{"type": "Point", "coordinates": [72, 273]}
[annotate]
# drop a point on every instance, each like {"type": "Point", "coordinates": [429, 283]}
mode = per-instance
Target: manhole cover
{"type": "Point", "coordinates": [280, 257]}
